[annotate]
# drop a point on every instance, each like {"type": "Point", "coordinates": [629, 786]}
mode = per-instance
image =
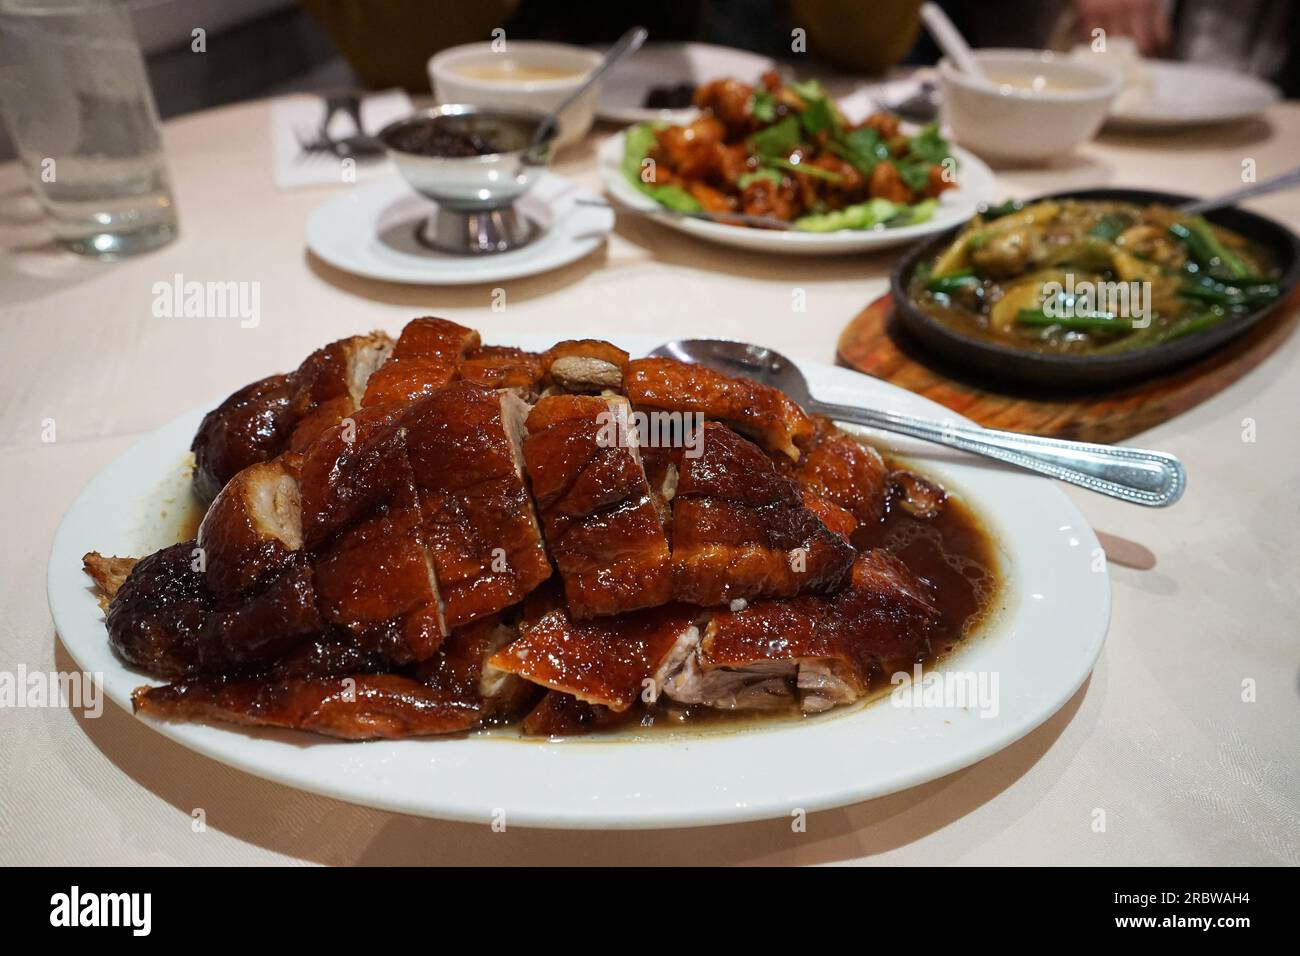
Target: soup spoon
{"type": "Point", "coordinates": [950, 40]}
{"type": "Point", "coordinates": [1136, 475]}
{"type": "Point", "coordinates": [626, 45]}
{"type": "Point", "coordinates": [1273, 184]}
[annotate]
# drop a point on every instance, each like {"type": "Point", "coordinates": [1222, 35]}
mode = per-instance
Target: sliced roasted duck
{"type": "Point", "coordinates": [280, 412]}
{"type": "Point", "coordinates": [386, 519]}
{"type": "Point", "coordinates": [604, 661]}
{"type": "Point", "coordinates": [768, 416]}
{"type": "Point", "coordinates": [741, 530]}
{"type": "Point", "coordinates": [818, 650]}
{"type": "Point", "coordinates": [601, 525]}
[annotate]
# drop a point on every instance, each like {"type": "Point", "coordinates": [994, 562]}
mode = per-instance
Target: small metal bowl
{"type": "Point", "coordinates": [1002, 365]}
{"type": "Point", "coordinates": [475, 194]}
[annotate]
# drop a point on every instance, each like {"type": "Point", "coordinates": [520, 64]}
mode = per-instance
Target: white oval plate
{"type": "Point", "coordinates": [370, 231]}
{"type": "Point", "coordinates": [1042, 645]}
{"type": "Point", "coordinates": [1188, 94]}
{"type": "Point", "coordinates": [666, 64]}
{"type": "Point", "coordinates": [975, 185]}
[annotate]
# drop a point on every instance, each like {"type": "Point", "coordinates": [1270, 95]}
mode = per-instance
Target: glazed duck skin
{"type": "Point", "coordinates": [252, 529]}
{"type": "Point", "coordinates": [603, 661]}
{"type": "Point", "coordinates": [484, 540]}
{"type": "Point", "coordinates": [362, 707]}
{"type": "Point", "coordinates": [284, 412]}
{"type": "Point", "coordinates": [844, 472]}
{"type": "Point", "coordinates": [251, 426]}
{"type": "Point", "coordinates": [427, 357]}
{"type": "Point", "coordinates": [763, 413]}
{"type": "Point", "coordinates": [375, 580]}
{"type": "Point", "coordinates": [499, 366]}
{"type": "Point", "coordinates": [399, 514]}
{"type": "Point", "coordinates": [601, 525]}
{"type": "Point", "coordinates": [821, 648]}
{"type": "Point", "coordinates": [741, 530]}
{"type": "Point", "coordinates": [166, 620]}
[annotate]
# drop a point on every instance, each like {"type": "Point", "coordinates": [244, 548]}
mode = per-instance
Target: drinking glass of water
{"type": "Point", "coordinates": [75, 98]}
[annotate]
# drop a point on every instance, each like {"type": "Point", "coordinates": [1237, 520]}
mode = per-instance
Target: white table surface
{"type": "Point", "coordinates": [1159, 738]}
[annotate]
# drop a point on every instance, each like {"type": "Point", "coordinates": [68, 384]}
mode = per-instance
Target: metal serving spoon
{"type": "Point", "coordinates": [1136, 475]}
{"type": "Point", "coordinates": [626, 45]}
{"type": "Point", "coordinates": [1271, 185]}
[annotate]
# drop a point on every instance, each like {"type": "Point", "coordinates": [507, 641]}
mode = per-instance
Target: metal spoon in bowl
{"type": "Point", "coordinates": [1135, 475]}
{"type": "Point", "coordinates": [950, 40]}
{"type": "Point", "coordinates": [1270, 185]}
{"type": "Point", "coordinates": [627, 44]}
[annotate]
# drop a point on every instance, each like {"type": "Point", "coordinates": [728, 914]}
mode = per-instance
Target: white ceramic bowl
{"type": "Point", "coordinates": [452, 84]}
{"type": "Point", "coordinates": [1006, 122]}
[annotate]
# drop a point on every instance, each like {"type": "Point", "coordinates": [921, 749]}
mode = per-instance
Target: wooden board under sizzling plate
{"type": "Point", "coordinates": [873, 343]}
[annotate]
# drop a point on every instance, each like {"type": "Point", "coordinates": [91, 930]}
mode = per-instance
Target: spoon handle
{"type": "Point", "coordinates": [626, 45]}
{"type": "Point", "coordinates": [1131, 474]}
{"type": "Point", "coordinates": [1271, 185]}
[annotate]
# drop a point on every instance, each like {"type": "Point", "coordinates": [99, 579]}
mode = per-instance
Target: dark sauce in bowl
{"type": "Point", "coordinates": [458, 137]}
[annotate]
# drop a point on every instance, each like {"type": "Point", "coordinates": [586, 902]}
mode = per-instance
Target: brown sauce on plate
{"type": "Point", "coordinates": [953, 551]}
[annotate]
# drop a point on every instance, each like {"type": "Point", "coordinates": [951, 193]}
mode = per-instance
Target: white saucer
{"type": "Point", "coordinates": [370, 230]}
{"type": "Point", "coordinates": [1188, 94]}
{"type": "Point", "coordinates": [623, 91]}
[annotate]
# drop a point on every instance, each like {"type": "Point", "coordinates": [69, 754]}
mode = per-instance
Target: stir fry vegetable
{"type": "Point", "coordinates": [784, 150]}
{"type": "Point", "coordinates": [1091, 277]}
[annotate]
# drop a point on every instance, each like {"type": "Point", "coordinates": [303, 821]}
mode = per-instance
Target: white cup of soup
{"type": "Point", "coordinates": [523, 74]}
{"type": "Point", "coordinates": [1034, 106]}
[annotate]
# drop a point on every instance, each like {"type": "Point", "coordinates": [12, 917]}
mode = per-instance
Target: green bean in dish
{"type": "Point", "coordinates": [1091, 277]}
{"type": "Point", "coordinates": [784, 150]}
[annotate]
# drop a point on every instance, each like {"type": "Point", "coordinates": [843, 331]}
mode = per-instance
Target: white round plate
{"type": "Point", "coordinates": [1186, 94]}
{"type": "Point", "coordinates": [1041, 645]}
{"type": "Point", "coordinates": [370, 231]}
{"type": "Point", "coordinates": [623, 91]}
{"type": "Point", "coordinates": [975, 185]}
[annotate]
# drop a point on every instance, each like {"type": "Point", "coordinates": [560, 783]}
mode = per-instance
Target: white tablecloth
{"type": "Point", "coordinates": [1159, 738]}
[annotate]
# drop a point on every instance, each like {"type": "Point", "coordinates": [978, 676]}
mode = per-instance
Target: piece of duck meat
{"type": "Point", "coordinates": [919, 497]}
{"type": "Point", "coordinates": [354, 707]}
{"type": "Point", "coordinates": [740, 528]}
{"type": "Point", "coordinates": [604, 661]}
{"type": "Point", "coordinates": [427, 356]}
{"type": "Point", "coordinates": [252, 529]}
{"type": "Point", "coordinates": [763, 413]}
{"type": "Point", "coordinates": [252, 425]}
{"type": "Point", "coordinates": [600, 521]}
{"type": "Point", "coordinates": [330, 685]}
{"type": "Point", "coordinates": [500, 366]}
{"type": "Point", "coordinates": [462, 668]}
{"type": "Point", "coordinates": [263, 419]}
{"type": "Point", "coordinates": [167, 621]}
{"type": "Point", "coordinates": [661, 471]}
{"type": "Point", "coordinates": [375, 579]}
{"type": "Point", "coordinates": [820, 651]}
{"type": "Point", "coordinates": [108, 573]}
{"type": "Point", "coordinates": [331, 382]}
{"type": "Point", "coordinates": [835, 518]}
{"type": "Point", "coordinates": [352, 469]}
{"type": "Point", "coordinates": [843, 471]}
{"type": "Point", "coordinates": [563, 715]}
{"type": "Point", "coordinates": [464, 445]}
{"type": "Point", "coordinates": [585, 366]}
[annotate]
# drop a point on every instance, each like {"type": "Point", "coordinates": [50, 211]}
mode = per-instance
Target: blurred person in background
{"type": "Point", "coordinates": [387, 42]}
{"type": "Point", "coordinates": [1261, 37]}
